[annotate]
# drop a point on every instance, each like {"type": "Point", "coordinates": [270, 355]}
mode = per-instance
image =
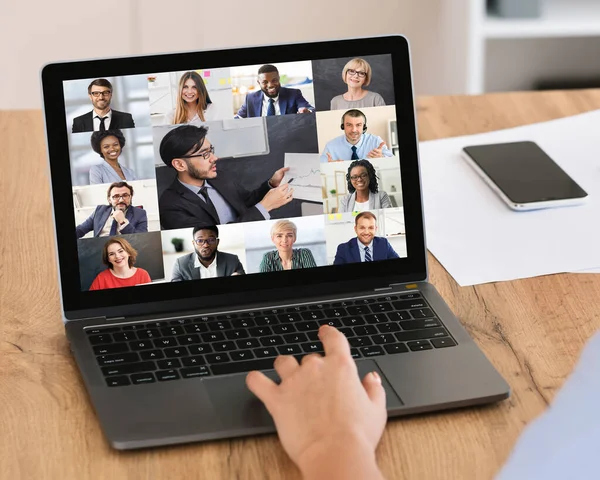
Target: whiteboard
{"type": "Point", "coordinates": [304, 175]}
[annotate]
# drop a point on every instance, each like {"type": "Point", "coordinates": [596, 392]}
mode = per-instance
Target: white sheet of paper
{"type": "Point", "coordinates": [478, 239]}
{"type": "Point", "coordinates": [305, 174]}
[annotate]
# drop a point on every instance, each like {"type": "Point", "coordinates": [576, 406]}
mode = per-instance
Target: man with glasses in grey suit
{"type": "Point", "coordinates": [206, 261]}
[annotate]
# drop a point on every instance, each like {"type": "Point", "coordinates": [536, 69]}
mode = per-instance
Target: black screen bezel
{"type": "Point", "coordinates": [247, 288]}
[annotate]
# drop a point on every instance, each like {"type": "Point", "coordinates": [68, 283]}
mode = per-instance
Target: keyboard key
{"type": "Point", "coordinates": [197, 349]}
{"type": "Point", "coordinates": [353, 321]}
{"type": "Point", "coordinates": [242, 367]}
{"type": "Point", "coordinates": [248, 343]}
{"type": "Point", "coordinates": [169, 364]}
{"type": "Point", "coordinates": [312, 315]}
{"type": "Point", "coordinates": [224, 346]}
{"type": "Point", "coordinates": [196, 328]}
{"type": "Point", "coordinates": [377, 318]}
{"type": "Point", "coordinates": [165, 342]}
{"type": "Point", "coordinates": [399, 316]}
{"type": "Point", "coordinates": [307, 326]}
{"type": "Point", "coordinates": [166, 375]}
{"type": "Point", "coordinates": [388, 327]}
{"type": "Point", "coordinates": [421, 334]}
{"type": "Point", "coordinates": [117, 358]}
{"type": "Point", "coordinates": [172, 331]}
{"type": "Point", "coordinates": [297, 308]}
{"type": "Point", "coordinates": [243, 323]}
{"type": "Point", "coordinates": [422, 313]}
{"type": "Point", "coordinates": [134, 327]}
{"type": "Point", "coordinates": [388, 298]}
{"type": "Point", "coordinates": [419, 324]}
{"type": "Point", "coordinates": [141, 345]}
{"type": "Point", "coordinates": [364, 301]}
{"type": "Point", "coordinates": [372, 351]}
{"type": "Point", "coordinates": [419, 345]}
{"type": "Point", "coordinates": [355, 352]}
{"type": "Point", "coordinates": [335, 312]}
{"type": "Point", "coordinates": [289, 317]}
{"type": "Point", "coordinates": [347, 331]}
{"type": "Point", "coordinates": [188, 339]}
{"type": "Point", "coordinates": [295, 338]}
{"type": "Point", "coordinates": [139, 378]}
{"type": "Point", "coordinates": [381, 307]}
{"type": "Point", "coordinates": [365, 330]}
{"type": "Point", "coordinates": [128, 368]}
{"type": "Point", "coordinates": [443, 342]}
{"type": "Point", "coordinates": [395, 348]}
{"type": "Point", "coordinates": [212, 337]}
{"type": "Point", "coordinates": [289, 350]}
{"type": "Point", "coordinates": [409, 304]}
{"type": "Point", "coordinates": [176, 352]}
{"type": "Point", "coordinates": [158, 324]}
{"type": "Point", "coordinates": [124, 336]}
{"type": "Point", "coordinates": [180, 321]}
{"type": "Point", "coordinates": [360, 341]}
{"type": "Point", "coordinates": [265, 352]}
{"type": "Point", "coordinates": [227, 316]}
{"type": "Point", "coordinates": [119, 381]}
{"type": "Point", "coordinates": [241, 355]}
{"type": "Point", "coordinates": [313, 336]}
{"type": "Point", "coordinates": [193, 361]}
{"type": "Point", "coordinates": [263, 320]}
{"type": "Point", "coordinates": [281, 329]}
{"type": "Point", "coordinates": [100, 330]}
{"type": "Point", "coordinates": [312, 347]}
{"type": "Point", "coordinates": [236, 334]}
{"type": "Point", "coordinates": [111, 348]}
{"type": "Point", "coordinates": [359, 310]}
{"type": "Point", "coordinates": [383, 338]}
{"type": "Point", "coordinates": [317, 307]}
{"type": "Point", "coordinates": [271, 341]}
{"type": "Point", "coordinates": [99, 339]}
{"type": "Point", "coordinates": [221, 325]}
{"type": "Point", "coordinates": [332, 322]}
{"type": "Point", "coordinates": [193, 372]}
{"type": "Point", "coordinates": [151, 354]}
{"type": "Point", "coordinates": [410, 296]}
{"type": "Point", "coordinates": [260, 331]}
{"type": "Point", "coordinates": [213, 358]}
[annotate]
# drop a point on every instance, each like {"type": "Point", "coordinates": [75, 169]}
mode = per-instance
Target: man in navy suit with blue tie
{"type": "Point", "coordinates": [273, 99]}
{"type": "Point", "coordinates": [366, 247]}
{"type": "Point", "coordinates": [117, 218]}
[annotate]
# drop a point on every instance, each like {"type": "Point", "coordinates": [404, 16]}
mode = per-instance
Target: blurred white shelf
{"type": "Point", "coordinates": [567, 18]}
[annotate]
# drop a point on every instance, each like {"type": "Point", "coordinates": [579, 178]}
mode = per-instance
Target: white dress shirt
{"type": "Point", "coordinates": [97, 120]}
{"type": "Point", "coordinates": [206, 272]}
{"type": "Point", "coordinates": [266, 105]}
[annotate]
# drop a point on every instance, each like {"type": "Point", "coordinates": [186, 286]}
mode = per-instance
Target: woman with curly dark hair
{"type": "Point", "coordinates": [109, 145]}
{"type": "Point", "coordinates": [364, 189]}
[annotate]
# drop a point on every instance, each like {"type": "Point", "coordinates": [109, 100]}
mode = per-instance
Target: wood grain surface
{"type": "Point", "coordinates": [532, 330]}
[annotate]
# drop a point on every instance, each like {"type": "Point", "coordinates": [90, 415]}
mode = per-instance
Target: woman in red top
{"type": "Point", "coordinates": [119, 256]}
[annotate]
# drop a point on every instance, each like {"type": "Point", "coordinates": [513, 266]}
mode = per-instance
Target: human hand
{"type": "Point", "coordinates": [330, 158]}
{"type": "Point", "coordinates": [277, 197]}
{"type": "Point", "coordinates": [118, 215]}
{"type": "Point", "coordinates": [376, 152]}
{"type": "Point", "coordinates": [304, 110]}
{"type": "Point", "coordinates": [322, 411]}
{"type": "Point", "coordinates": [277, 177]}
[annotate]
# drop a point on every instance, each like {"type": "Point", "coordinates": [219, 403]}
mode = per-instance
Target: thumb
{"type": "Point", "coordinates": [262, 386]}
{"type": "Point", "coordinates": [381, 145]}
{"type": "Point", "coordinates": [374, 389]}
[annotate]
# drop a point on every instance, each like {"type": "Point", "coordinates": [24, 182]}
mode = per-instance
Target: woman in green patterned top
{"type": "Point", "coordinates": [283, 235]}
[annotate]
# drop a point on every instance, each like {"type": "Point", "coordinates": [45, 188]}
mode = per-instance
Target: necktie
{"type": "Point", "coordinates": [209, 204]}
{"type": "Point", "coordinates": [271, 108]}
{"type": "Point", "coordinates": [102, 126]}
{"type": "Point", "coordinates": [368, 257]}
{"type": "Point", "coordinates": [354, 155]}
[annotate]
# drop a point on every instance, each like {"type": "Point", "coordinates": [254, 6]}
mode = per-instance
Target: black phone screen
{"type": "Point", "coordinates": [524, 172]}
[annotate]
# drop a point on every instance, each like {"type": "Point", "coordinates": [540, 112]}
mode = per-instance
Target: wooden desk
{"type": "Point", "coordinates": [532, 330]}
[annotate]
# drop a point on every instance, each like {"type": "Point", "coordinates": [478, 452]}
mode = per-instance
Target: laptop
{"type": "Point", "coordinates": [213, 208]}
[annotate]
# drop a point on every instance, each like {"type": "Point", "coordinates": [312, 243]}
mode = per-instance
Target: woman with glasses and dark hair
{"type": "Point", "coordinates": [119, 256]}
{"type": "Point", "coordinates": [357, 75]}
{"type": "Point", "coordinates": [283, 235]}
{"type": "Point", "coordinates": [364, 189]}
{"type": "Point", "coordinates": [109, 145]}
{"type": "Point", "coordinates": [193, 102]}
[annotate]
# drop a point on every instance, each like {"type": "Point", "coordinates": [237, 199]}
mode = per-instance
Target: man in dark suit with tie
{"type": "Point", "coordinates": [102, 117]}
{"type": "Point", "coordinates": [273, 99]}
{"type": "Point", "coordinates": [365, 247]}
{"type": "Point", "coordinates": [200, 197]}
{"type": "Point", "coordinates": [207, 261]}
{"type": "Point", "coordinates": [116, 218]}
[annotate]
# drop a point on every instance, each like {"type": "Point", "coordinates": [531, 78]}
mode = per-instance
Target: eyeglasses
{"type": "Point", "coordinates": [350, 71]}
{"type": "Point", "coordinates": [362, 176]}
{"type": "Point", "coordinates": [208, 241]}
{"type": "Point", "coordinates": [105, 93]}
{"type": "Point", "coordinates": [205, 154]}
{"type": "Point", "coordinates": [124, 196]}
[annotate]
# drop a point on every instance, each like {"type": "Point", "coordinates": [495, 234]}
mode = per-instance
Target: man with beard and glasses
{"type": "Point", "coordinates": [118, 217]}
{"type": "Point", "coordinates": [273, 99]}
{"type": "Point", "coordinates": [206, 261]}
{"type": "Point", "coordinates": [102, 117]}
{"type": "Point", "coordinates": [200, 197]}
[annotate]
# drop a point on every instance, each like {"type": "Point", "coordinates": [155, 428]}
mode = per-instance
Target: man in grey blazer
{"type": "Point", "coordinates": [206, 261]}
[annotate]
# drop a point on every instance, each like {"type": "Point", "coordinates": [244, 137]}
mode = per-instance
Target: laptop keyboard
{"type": "Point", "coordinates": [202, 346]}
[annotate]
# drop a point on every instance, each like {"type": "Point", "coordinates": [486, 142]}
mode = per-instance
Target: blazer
{"type": "Point", "coordinates": [85, 122]}
{"type": "Point", "coordinates": [348, 252]}
{"type": "Point", "coordinates": [376, 201]}
{"type": "Point", "coordinates": [290, 101]}
{"type": "Point", "coordinates": [180, 208]}
{"type": "Point", "coordinates": [138, 221]}
{"type": "Point", "coordinates": [227, 264]}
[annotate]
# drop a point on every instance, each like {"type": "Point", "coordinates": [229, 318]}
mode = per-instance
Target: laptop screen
{"type": "Point", "coordinates": [209, 172]}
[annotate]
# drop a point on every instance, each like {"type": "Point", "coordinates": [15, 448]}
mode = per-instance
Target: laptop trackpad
{"type": "Point", "coordinates": [239, 408]}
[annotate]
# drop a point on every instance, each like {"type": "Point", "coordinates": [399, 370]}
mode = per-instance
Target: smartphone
{"type": "Point", "coordinates": [524, 176]}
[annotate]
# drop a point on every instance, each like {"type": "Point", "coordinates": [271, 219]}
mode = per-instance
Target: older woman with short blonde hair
{"type": "Point", "coordinates": [283, 236]}
{"type": "Point", "coordinates": [357, 75]}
